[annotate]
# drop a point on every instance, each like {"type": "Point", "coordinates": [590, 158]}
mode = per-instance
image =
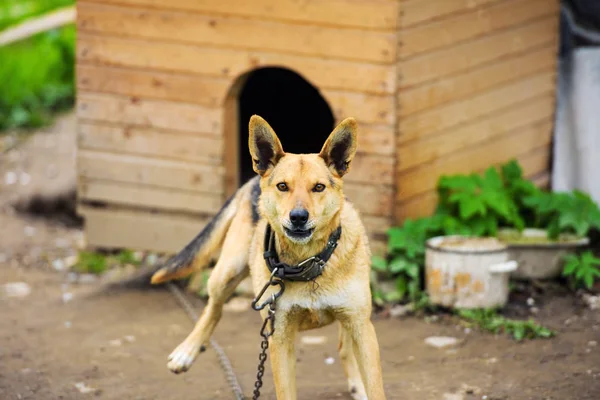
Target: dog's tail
{"type": "Point", "coordinates": [199, 252]}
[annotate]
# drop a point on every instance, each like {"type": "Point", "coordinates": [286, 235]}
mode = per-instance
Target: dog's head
{"type": "Point", "coordinates": [301, 193]}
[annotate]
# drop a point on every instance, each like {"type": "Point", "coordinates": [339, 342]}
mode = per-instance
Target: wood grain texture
{"type": "Point", "coordinates": [469, 55]}
{"type": "Point", "coordinates": [425, 177]}
{"type": "Point", "coordinates": [471, 82]}
{"type": "Point", "coordinates": [473, 24]}
{"type": "Point", "coordinates": [504, 121]}
{"type": "Point", "coordinates": [460, 112]}
{"type": "Point", "coordinates": [159, 114]}
{"type": "Point", "coordinates": [239, 33]}
{"type": "Point", "coordinates": [374, 14]}
{"type": "Point", "coordinates": [376, 139]}
{"type": "Point", "coordinates": [206, 91]}
{"type": "Point", "coordinates": [228, 63]}
{"type": "Point", "coordinates": [139, 230]}
{"type": "Point", "coordinates": [372, 109]}
{"type": "Point", "coordinates": [368, 168]}
{"type": "Point", "coordinates": [415, 12]}
{"type": "Point", "coordinates": [150, 171]}
{"type": "Point", "coordinates": [148, 197]}
{"type": "Point", "coordinates": [374, 199]}
{"type": "Point", "coordinates": [150, 142]}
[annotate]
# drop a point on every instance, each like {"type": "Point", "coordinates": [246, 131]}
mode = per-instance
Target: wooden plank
{"type": "Point", "coordinates": [414, 12]}
{"type": "Point", "coordinates": [373, 109]}
{"type": "Point", "coordinates": [376, 139]}
{"type": "Point", "coordinates": [456, 113]}
{"type": "Point", "coordinates": [373, 14]}
{"type": "Point", "coordinates": [376, 226]}
{"type": "Point", "coordinates": [139, 230]}
{"type": "Point", "coordinates": [424, 178]}
{"type": "Point", "coordinates": [469, 55]}
{"type": "Point", "coordinates": [149, 113]}
{"type": "Point", "coordinates": [150, 171]}
{"type": "Point", "coordinates": [150, 142]}
{"type": "Point", "coordinates": [240, 33]}
{"type": "Point", "coordinates": [473, 24]}
{"type": "Point", "coordinates": [466, 84]}
{"type": "Point", "coordinates": [516, 116]}
{"type": "Point", "coordinates": [368, 168]}
{"type": "Point", "coordinates": [205, 91]}
{"type": "Point", "coordinates": [374, 200]}
{"type": "Point", "coordinates": [226, 63]}
{"type": "Point", "coordinates": [128, 194]}
{"type": "Point", "coordinates": [533, 163]}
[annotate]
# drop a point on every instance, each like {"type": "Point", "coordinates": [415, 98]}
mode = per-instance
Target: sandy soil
{"type": "Point", "coordinates": [116, 343]}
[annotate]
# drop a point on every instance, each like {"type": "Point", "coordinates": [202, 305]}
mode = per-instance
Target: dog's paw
{"type": "Point", "coordinates": [182, 358]}
{"type": "Point", "coordinates": [357, 390]}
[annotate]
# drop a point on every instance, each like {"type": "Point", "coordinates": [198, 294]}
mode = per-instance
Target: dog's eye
{"type": "Point", "coordinates": [282, 187]}
{"type": "Point", "coordinates": [319, 187]}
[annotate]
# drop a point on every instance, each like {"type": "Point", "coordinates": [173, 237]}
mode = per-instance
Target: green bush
{"type": "Point", "coordinates": [37, 78]}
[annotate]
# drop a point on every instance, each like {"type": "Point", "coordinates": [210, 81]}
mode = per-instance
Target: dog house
{"type": "Point", "coordinates": [166, 88]}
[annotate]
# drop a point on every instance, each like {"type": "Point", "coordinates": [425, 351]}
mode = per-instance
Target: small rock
{"type": "Point", "coordinates": [534, 310]}
{"type": "Point", "coordinates": [68, 324]}
{"type": "Point", "coordinates": [237, 304]}
{"type": "Point", "coordinates": [29, 231]}
{"type": "Point", "coordinates": [26, 370]}
{"type": "Point", "coordinates": [24, 179]}
{"type": "Point", "coordinates": [10, 178]}
{"type": "Point", "coordinates": [16, 289]}
{"type": "Point", "coordinates": [468, 389]}
{"type": "Point", "coordinates": [70, 261]}
{"type": "Point", "coordinates": [130, 338]}
{"type": "Point", "coordinates": [151, 259]}
{"type": "Point", "coordinates": [468, 330]}
{"type": "Point", "coordinates": [453, 396]}
{"type": "Point", "coordinates": [87, 278]}
{"type": "Point", "coordinates": [593, 302]}
{"type": "Point", "coordinates": [67, 297]}
{"type": "Point", "coordinates": [411, 358]}
{"type": "Point", "coordinates": [484, 397]}
{"type": "Point", "coordinates": [401, 310]}
{"type": "Point", "coordinates": [115, 342]}
{"type": "Point", "coordinates": [329, 360]}
{"type": "Point", "coordinates": [313, 340]}
{"type": "Point", "coordinates": [530, 301]}
{"type": "Point", "coordinates": [592, 343]}
{"type": "Point", "coordinates": [441, 341]}
{"type": "Point", "coordinates": [492, 360]}
{"type": "Point", "coordinates": [83, 388]}
{"type": "Point", "coordinates": [59, 265]}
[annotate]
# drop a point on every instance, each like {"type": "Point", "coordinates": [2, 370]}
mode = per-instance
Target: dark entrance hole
{"type": "Point", "coordinates": [293, 107]}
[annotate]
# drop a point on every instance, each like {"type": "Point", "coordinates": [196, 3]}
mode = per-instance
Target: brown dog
{"type": "Point", "coordinates": [299, 198]}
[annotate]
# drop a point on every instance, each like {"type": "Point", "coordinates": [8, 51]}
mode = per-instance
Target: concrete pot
{"type": "Point", "coordinates": [464, 272]}
{"type": "Point", "coordinates": [537, 257]}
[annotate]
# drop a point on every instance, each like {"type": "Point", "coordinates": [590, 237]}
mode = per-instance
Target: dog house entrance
{"type": "Point", "coordinates": [293, 107]}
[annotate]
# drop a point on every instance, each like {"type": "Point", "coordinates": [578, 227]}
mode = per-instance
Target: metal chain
{"type": "Point", "coordinates": [266, 331]}
{"type": "Point", "coordinates": [223, 360]}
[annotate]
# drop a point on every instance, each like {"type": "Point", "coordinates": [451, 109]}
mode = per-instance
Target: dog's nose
{"type": "Point", "coordinates": [298, 216]}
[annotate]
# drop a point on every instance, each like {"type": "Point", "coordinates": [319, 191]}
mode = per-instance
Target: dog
{"type": "Point", "coordinates": [298, 201]}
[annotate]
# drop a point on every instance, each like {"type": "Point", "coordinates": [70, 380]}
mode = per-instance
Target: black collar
{"type": "Point", "coordinates": [305, 271]}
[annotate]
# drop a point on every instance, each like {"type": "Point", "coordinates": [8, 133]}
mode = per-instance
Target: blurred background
{"type": "Point", "coordinates": [123, 129]}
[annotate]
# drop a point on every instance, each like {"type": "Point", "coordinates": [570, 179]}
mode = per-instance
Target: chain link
{"type": "Point", "coordinates": [223, 360]}
{"type": "Point", "coordinates": [268, 327]}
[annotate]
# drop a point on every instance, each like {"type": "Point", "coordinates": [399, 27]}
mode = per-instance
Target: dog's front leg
{"type": "Point", "coordinates": [283, 358]}
{"type": "Point", "coordinates": [366, 349]}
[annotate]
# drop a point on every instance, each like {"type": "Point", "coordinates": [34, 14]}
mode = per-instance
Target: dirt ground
{"type": "Point", "coordinates": [75, 341]}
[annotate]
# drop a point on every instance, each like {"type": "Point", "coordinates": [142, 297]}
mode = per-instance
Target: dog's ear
{"type": "Point", "coordinates": [265, 147]}
{"type": "Point", "coordinates": [340, 148]}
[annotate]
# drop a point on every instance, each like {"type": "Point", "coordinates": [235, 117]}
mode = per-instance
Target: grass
{"type": "Point", "coordinates": [97, 263]}
{"type": "Point", "coordinates": [491, 321]}
{"type": "Point", "coordinates": [36, 74]}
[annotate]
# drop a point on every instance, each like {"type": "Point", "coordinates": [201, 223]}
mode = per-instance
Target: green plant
{"type": "Point", "coordinates": [490, 320]}
{"type": "Point", "coordinates": [37, 78]}
{"type": "Point", "coordinates": [97, 263]}
{"type": "Point", "coordinates": [91, 262]}
{"type": "Point", "coordinates": [583, 270]}
{"type": "Point", "coordinates": [477, 205]}
{"type": "Point", "coordinates": [565, 212]}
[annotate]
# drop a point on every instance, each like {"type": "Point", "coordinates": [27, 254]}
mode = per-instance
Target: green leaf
{"type": "Point", "coordinates": [401, 286]}
{"type": "Point", "coordinates": [378, 264]}
{"type": "Point", "coordinates": [470, 206]}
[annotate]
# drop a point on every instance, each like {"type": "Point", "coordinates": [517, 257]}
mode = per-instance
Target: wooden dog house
{"type": "Point", "coordinates": [165, 89]}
